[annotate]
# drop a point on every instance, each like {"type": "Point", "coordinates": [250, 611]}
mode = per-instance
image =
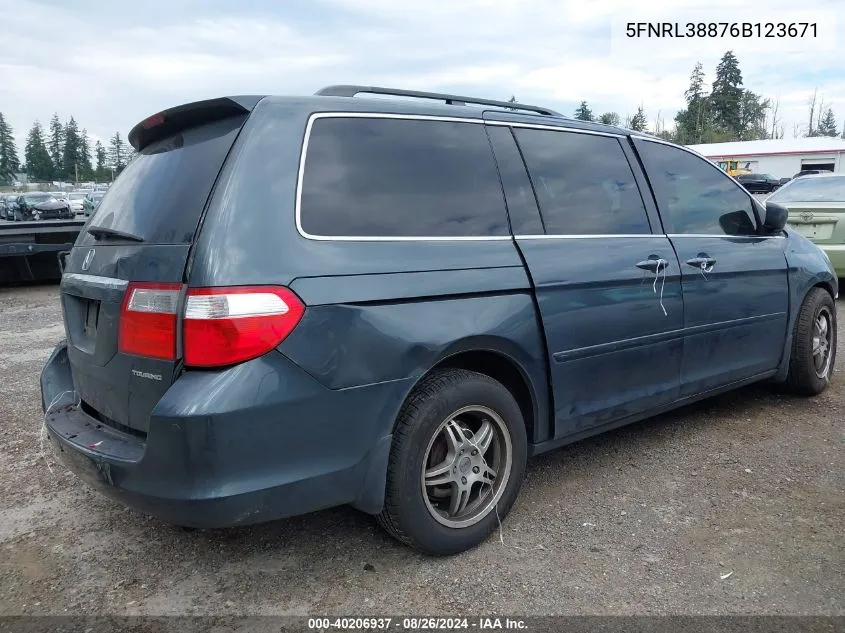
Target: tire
{"type": "Point", "coordinates": [416, 514]}
{"type": "Point", "coordinates": [808, 376]}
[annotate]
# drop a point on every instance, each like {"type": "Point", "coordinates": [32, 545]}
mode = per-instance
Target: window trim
{"type": "Point", "coordinates": [554, 128]}
{"type": "Point", "coordinates": [480, 238]}
{"type": "Point", "coordinates": [381, 238]}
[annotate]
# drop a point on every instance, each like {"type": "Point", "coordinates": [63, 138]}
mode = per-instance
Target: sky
{"type": "Point", "coordinates": [111, 64]}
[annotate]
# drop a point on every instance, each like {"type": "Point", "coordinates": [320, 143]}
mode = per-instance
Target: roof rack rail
{"type": "Point", "coordinates": [352, 90]}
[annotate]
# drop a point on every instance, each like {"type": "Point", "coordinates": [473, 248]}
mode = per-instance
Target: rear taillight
{"type": "Point", "coordinates": [148, 320]}
{"type": "Point", "coordinates": [224, 326]}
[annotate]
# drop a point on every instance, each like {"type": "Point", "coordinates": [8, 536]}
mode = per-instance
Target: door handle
{"type": "Point", "coordinates": [702, 262]}
{"type": "Point", "coordinates": [654, 265]}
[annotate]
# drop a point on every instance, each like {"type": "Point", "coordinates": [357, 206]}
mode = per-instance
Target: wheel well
{"type": "Point", "coordinates": [826, 287]}
{"type": "Point", "coordinates": [502, 369]}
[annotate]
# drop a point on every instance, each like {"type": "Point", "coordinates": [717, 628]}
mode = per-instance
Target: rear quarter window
{"type": "Point", "coordinates": [381, 177]}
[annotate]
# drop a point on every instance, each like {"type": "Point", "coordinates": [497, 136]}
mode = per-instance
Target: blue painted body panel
{"type": "Point", "coordinates": [601, 314]}
{"type": "Point", "coordinates": [736, 314]}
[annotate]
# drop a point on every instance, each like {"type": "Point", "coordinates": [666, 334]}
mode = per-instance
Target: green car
{"type": "Point", "coordinates": [92, 201]}
{"type": "Point", "coordinates": [816, 207]}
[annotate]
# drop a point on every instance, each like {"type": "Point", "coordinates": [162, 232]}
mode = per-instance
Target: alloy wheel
{"type": "Point", "coordinates": [466, 466]}
{"type": "Point", "coordinates": [822, 342]}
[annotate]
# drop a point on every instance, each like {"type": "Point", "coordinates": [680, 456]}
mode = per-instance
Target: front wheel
{"type": "Point", "coordinates": [813, 345]}
{"type": "Point", "coordinates": [456, 464]}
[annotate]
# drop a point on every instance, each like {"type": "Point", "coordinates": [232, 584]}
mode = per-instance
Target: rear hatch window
{"type": "Point", "coordinates": [160, 195]}
{"type": "Point", "coordinates": [141, 231]}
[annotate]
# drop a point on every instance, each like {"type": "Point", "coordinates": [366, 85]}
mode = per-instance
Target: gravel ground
{"type": "Point", "coordinates": [733, 505]}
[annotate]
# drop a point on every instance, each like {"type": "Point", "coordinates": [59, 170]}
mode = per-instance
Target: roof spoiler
{"type": "Point", "coordinates": [168, 122]}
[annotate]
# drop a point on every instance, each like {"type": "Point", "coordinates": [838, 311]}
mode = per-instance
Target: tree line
{"type": "Point", "coordinates": [62, 153]}
{"type": "Point", "coordinates": [727, 112]}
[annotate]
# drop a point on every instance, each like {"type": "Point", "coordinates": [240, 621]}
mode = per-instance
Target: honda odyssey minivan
{"type": "Point", "coordinates": [290, 303]}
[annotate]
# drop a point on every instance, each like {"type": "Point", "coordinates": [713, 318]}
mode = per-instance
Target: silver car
{"type": "Point", "coordinates": [816, 205]}
{"type": "Point", "coordinates": [76, 199]}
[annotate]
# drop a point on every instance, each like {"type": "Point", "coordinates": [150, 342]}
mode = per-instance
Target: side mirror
{"type": "Point", "coordinates": [776, 216]}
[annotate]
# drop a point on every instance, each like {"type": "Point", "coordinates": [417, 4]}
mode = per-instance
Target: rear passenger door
{"type": "Point", "coordinates": [607, 286]}
{"type": "Point", "coordinates": [736, 292]}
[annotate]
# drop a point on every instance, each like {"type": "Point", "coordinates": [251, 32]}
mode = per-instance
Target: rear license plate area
{"type": "Point", "coordinates": [815, 231]}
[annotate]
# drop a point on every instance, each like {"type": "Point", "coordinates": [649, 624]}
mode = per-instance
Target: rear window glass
{"type": "Point", "coordinates": [376, 177]}
{"type": "Point", "coordinates": [162, 192]}
{"type": "Point", "coordinates": [821, 189]}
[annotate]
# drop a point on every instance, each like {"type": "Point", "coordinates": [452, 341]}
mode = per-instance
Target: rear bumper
{"type": "Point", "coordinates": [252, 443]}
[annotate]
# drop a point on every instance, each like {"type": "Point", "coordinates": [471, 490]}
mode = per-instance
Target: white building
{"type": "Point", "coordinates": [782, 158]}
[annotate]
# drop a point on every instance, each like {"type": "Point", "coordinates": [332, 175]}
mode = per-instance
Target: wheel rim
{"type": "Point", "coordinates": [822, 342]}
{"type": "Point", "coordinates": [466, 466]}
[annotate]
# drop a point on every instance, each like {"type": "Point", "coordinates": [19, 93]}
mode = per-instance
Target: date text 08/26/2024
{"type": "Point", "coordinates": [721, 29]}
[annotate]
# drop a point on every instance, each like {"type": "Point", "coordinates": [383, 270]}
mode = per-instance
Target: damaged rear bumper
{"type": "Point", "coordinates": [212, 458]}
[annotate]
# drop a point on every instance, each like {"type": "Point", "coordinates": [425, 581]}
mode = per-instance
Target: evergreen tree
{"type": "Point", "coordinates": [610, 118]}
{"type": "Point", "coordinates": [118, 154]}
{"type": "Point", "coordinates": [693, 123]}
{"type": "Point", "coordinates": [583, 112]}
{"type": "Point", "coordinates": [695, 92]}
{"type": "Point", "coordinates": [101, 173]}
{"type": "Point", "coordinates": [39, 165]}
{"type": "Point", "coordinates": [638, 122]}
{"type": "Point", "coordinates": [726, 97]}
{"type": "Point", "coordinates": [72, 151]}
{"type": "Point", "coordinates": [55, 145]}
{"type": "Point", "coordinates": [86, 171]}
{"type": "Point", "coordinates": [827, 126]}
{"type": "Point", "coordinates": [9, 163]}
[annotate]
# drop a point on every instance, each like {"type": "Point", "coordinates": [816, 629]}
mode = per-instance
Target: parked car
{"type": "Point", "coordinates": [41, 206]}
{"type": "Point", "coordinates": [810, 172]}
{"type": "Point", "coordinates": [62, 196]}
{"type": "Point", "coordinates": [8, 202]}
{"type": "Point", "coordinates": [758, 183]}
{"type": "Point", "coordinates": [816, 205]}
{"type": "Point", "coordinates": [76, 200]}
{"type": "Point", "coordinates": [783, 181]}
{"type": "Point", "coordinates": [91, 202]}
{"type": "Point", "coordinates": [393, 303]}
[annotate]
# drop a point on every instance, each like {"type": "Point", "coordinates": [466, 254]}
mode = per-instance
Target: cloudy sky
{"type": "Point", "coordinates": [109, 65]}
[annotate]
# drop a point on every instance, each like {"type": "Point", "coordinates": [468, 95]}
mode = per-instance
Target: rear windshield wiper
{"type": "Point", "coordinates": [99, 232]}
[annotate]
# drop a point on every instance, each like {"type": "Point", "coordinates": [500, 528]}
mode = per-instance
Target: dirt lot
{"type": "Point", "coordinates": [734, 505]}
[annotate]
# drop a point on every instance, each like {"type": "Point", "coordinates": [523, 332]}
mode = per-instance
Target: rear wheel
{"type": "Point", "coordinates": [456, 464]}
{"type": "Point", "coordinates": [813, 345]}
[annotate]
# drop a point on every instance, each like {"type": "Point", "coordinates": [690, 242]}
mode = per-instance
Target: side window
{"type": "Point", "coordinates": [583, 182]}
{"type": "Point", "coordinates": [384, 177]}
{"type": "Point", "coordinates": [522, 205]}
{"type": "Point", "coordinates": [693, 196]}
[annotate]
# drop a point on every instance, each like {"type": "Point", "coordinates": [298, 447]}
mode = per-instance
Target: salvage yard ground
{"type": "Point", "coordinates": [733, 505]}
